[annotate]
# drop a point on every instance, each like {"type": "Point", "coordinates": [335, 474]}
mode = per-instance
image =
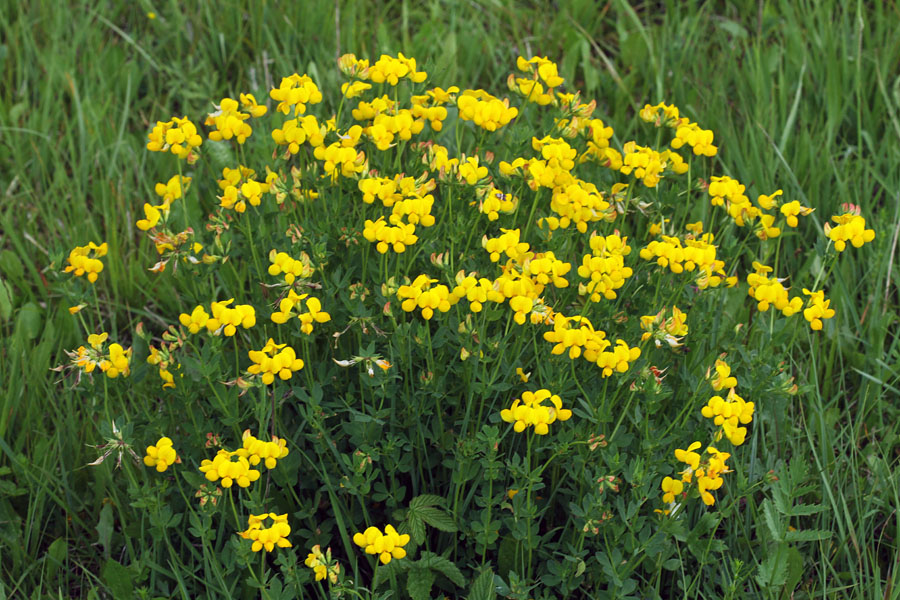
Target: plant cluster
{"type": "Point", "coordinates": [514, 271]}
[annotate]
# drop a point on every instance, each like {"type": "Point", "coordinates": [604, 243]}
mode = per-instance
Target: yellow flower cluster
{"type": "Point", "coordinates": [231, 468]}
{"type": "Point", "coordinates": [384, 236]}
{"type": "Point", "coordinates": [299, 130]}
{"type": "Point", "coordinates": [386, 546]}
{"type": "Point", "coordinates": [267, 537]}
{"type": "Point", "coordinates": [340, 160]}
{"type": "Point", "coordinates": [385, 128]}
{"type": "Point", "coordinates": [225, 318]}
{"type": "Point", "coordinates": [162, 455]}
{"type": "Point", "coordinates": [390, 70]}
{"type": "Point", "coordinates": [256, 450]}
{"type": "Point", "coordinates": [178, 136]}
{"type": "Point", "coordinates": [322, 564]}
{"type": "Point", "coordinates": [817, 309]}
{"type": "Point", "coordinates": [598, 148]}
{"type": "Point", "coordinates": [392, 190]}
{"type": "Point", "coordinates": [86, 259]}
{"type": "Point", "coordinates": [239, 187]}
{"type": "Point", "coordinates": [469, 171]}
{"type": "Point", "coordinates": [727, 413]}
{"type": "Point", "coordinates": [728, 192]}
{"type": "Point", "coordinates": [579, 202]}
{"type": "Point", "coordinates": [492, 202]}
{"type": "Point", "coordinates": [660, 114]}
{"type": "Point", "coordinates": [699, 139]}
{"type": "Point", "coordinates": [605, 267]}
{"type": "Point", "coordinates": [694, 254]}
{"type": "Point", "coordinates": [541, 72]}
{"type": "Point", "coordinates": [483, 109]}
{"type": "Point", "coordinates": [723, 378]}
{"type": "Point", "coordinates": [768, 291]}
{"type": "Point", "coordinates": [731, 412]}
{"type": "Point", "coordinates": [648, 164]}
{"type": "Point", "coordinates": [707, 471]}
{"type": "Point", "coordinates": [430, 106]}
{"type": "Point", "coordinates": [663, 328]}
{"type": "Point", "coordinates": [283, 263]}
{"type": "Point", "coordinates": [274, 359]}
{"type": "Point", "coordinates": [113, 361]}
{"type": "Point", "coordinates": [367, 111]}
{"type": "Point", "coordinates": [314, 313]}
{"type": "Point", "coordinates": [507, 243]}
{"type": "Point", "coordinates": [425, 296]}
{"type": "Point", "coordinates": [531, 411]}
{"type": "Point", "coordinates": [162, 359]}
{"type": "Point", "coordinates": [577, 336]}
{"type": "Point", "coordinates": [850, 228]}
{"type": "Point", "coordinates": [295, 92]}
{"type": "Point", "coordinates": [173, 189]}
{"type": "Point", "coordinates": [230, 122]}
{"type": "Point", "coordinates": [476, 290]}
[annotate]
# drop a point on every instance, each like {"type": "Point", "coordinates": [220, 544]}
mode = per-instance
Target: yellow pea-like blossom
{"type": "Point", "coordinates": [817, 309]}
{"type": "Point", "coordinates": [230, 468]}
{"type": "Point", "coordinates": [386, 546]}
{"type": "Point", "coordinates": [274, 359]}
{"type": "Point", "coordinates": [256, 450]}
{"type": "Point", "coordinates": [162, 455]}
{"type": "Point", "coordinates": [533, 410]}
{"type": "Point", "coordinates": [86, 260]}
{"type": "Point", "coordinates": [851, 228]}
{"type": "Point", "coordinates": [671, 488]}
{"type": "Point", "coordinates": [267, 537]}
{"type": "Point", "coordinates": [178, 136]}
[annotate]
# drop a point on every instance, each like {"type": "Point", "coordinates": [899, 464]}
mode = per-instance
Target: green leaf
{"type": "Point", "coordinates": [118, 579]}
{"type": "Point", "coordinates": [28, 323]}
{"type": "Point", "coordinates": [105, 527]}
{"type": "Point", "coordinates": [807, 535]}
{"type": "Point", "coordinates": [442, 564]}
{"type": "Point", "coordinates": [416, 528]}
{"type": "Point", "coordinates": [11, 265]}
{"type": "Point", "coordinates": [419, 582]}
{"type": "Point", "coordinates": [425, 500]}
{"type": "Point", "coordinates": [794, 568]}
{"type": "Point", "coordinates": [772, 521]}
{"type": "Point", "coordinates": [805, 509]}
{"type": "Point", "coordinates": [772, 571]}
{"type": "Point", "coordinates": [438, 519]}
{"type": "Point", "coordinates": [55, 556]}
{"type": "Point", "coordinates": [483, 586]}
{"type": "Point", "coordinates": [5, 301]}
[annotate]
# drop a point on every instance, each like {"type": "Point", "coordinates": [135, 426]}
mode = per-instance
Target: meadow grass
{"type": "Point", "coordinates": [802, 96]}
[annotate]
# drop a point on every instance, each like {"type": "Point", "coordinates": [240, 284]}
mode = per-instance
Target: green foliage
{"type": "Point", "coordinates": [801, 97]}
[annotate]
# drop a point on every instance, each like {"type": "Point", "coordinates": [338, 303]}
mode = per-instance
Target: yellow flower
{"type": "Point", "coordinates": [256, 450]}
{"type": "Point", "coordinates": [274, 359]}
{"type": "Point", "coordinates": [162, 455]}
{"type": "Point", "coordinates": [818, 309]}
{"type": "Point", "coordinates": [178, 136]}
{"type": "Point", "coordinates": [671, 488]}
{"type": "Point", "coordinates": [531, 411]}
{"type": "Point", "coordinates": [689, 457]}
{"type": "Point", "coordinates": [86, 259]}
{"type": "Point", "coordinates": [851, 228]}
{"type": "Point", "coordinates": [267, 537]}
{"type": "Point", "coordinates": [231, 468]}
{"type": "Point", "coordinates": [386, 546]}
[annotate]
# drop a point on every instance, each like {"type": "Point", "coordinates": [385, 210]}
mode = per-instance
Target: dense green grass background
{"type": "Point", "coordinates": [804, 96]}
